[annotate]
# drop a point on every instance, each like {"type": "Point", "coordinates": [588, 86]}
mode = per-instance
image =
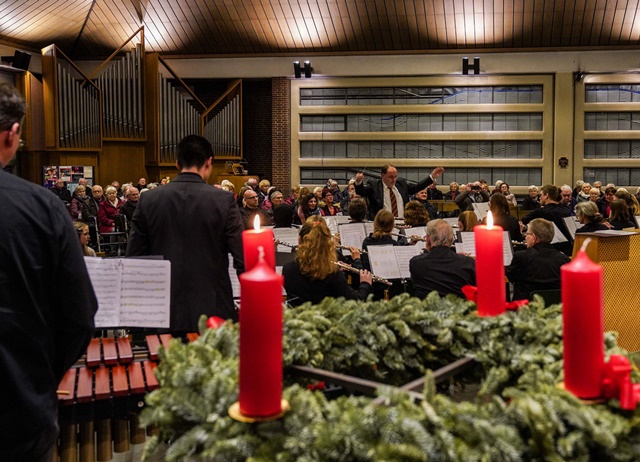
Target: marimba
{"type": "Point", "coordinates": [100, 398]}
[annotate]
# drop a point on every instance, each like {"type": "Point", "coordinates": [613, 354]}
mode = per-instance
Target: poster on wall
{"type": "Point", "coordinates": [70, 174]}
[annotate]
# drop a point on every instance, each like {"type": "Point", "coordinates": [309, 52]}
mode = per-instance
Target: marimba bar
{"type": "Point", "coordinates": [100, 397]}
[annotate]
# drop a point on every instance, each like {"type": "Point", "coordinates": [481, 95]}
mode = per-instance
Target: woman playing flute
{"type": "Point", "coordinates": [312, 276]}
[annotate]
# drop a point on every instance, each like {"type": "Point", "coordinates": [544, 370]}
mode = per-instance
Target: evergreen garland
{"type": "Point", "coordinates": [519, 415]}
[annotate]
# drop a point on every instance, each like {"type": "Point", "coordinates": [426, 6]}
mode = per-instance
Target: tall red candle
{"type": "Point", "coordinates": [490, 280]}
{"type": "Point", "coordinates": [260, 341]}
{"type": "Point", "coordinates": [582, 326]}
{"type": "Point", "coordinates": [252, 239]}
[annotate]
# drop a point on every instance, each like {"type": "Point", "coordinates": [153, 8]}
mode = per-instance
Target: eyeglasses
{"type": "Point", "coordinates": [529, 234]}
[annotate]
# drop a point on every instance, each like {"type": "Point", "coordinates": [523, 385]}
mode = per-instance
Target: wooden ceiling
{"type": "Point", "coordinates": [94, 29]}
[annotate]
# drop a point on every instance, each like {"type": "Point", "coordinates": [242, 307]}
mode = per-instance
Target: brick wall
{"type": "Point", "coordinates": [281, 133]}
{"type": "Point", "coordinates": [256, 127]}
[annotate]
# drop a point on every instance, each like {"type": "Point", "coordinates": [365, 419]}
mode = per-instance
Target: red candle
{"type": "Point", "coordinates": [252, 239]}
{"type": "Point", "coordinates": [582, 326]}
{"type": "Point", "coordinates": [490, 280]}
{"type": "Point", "coordinates": [260, 341]}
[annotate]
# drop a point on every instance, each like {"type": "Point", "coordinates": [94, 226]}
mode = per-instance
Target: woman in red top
{"type": "Point", "coordinates": [109, 208]}
{"type": "Point", "coordinates": [329, 209]}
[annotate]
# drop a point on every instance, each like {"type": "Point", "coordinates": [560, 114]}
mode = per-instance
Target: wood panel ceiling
{"type": "Point", "coordinates": [93, 29]}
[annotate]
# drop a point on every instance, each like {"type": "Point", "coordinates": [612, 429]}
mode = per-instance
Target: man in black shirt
{"type": "Point", "coordinates": [47, 302]}
{"type": "Point", "coordinates": [552, 210]}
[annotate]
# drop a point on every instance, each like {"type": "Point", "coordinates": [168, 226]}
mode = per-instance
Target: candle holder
{"type": "Point", "coordinates": [235, 414]}
{"type": "Point", "coordinates": [585, 401]}
{"type": "Point", "coordinates": [471, 292]}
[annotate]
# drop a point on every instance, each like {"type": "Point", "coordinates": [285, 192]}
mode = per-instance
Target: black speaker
{"type": "Point", "coordinates": [21, 60]}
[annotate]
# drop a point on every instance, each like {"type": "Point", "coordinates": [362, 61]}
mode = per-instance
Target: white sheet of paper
{"type": "Point", "coordinates": [332, 223]}
{"type": "Point", "coordinates": [419, 231]}
{"type": "Point", "coordinates": [130, 292]}
{"type": "Point", "coordinates": [352, 235]}
{"type": "Point", "coordinates": [404, 253]}
{"type": "Point", "coordinates": [481, 209]}
{"type": "Point", "coordinates": [235, 282]}
{"type": "Point", "coordinates": [572, 225]}
{"type": "Point", "coordinates": [288, 235]}
{"type": "Point", "coordinates": [614, 232]}
{"type": "Point", "coordinates": [146, 293]}
{"type": "Point", "coordinates": [368, 227]}
{"type": "Point", "coordinates": [453, 221]}
{"type": "Point", "coordinates": [558, 237]}
{"type": "Point", "coordinates": [468, 246]}
{"type": "Point", "coordinates": [384, 262]}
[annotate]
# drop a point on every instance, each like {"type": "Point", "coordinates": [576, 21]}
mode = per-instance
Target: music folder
{"type": "Point", "coordinates": [392, 261]}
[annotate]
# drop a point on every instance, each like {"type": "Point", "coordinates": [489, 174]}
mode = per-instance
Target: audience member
{"type": "Point", "coordinates": [308, 207]}
{"type": "Point", "coordinates": [421, 196]}
{"type": "Point", "coordinates": [441, 269]}
{"type": "Point", "coordinates": [433, 193]}
{"type": "Point", "coordinates": [250, 209]}
{"type": "Point", "coordinates": [604, 203]}
{"type": "Point", "coordinates": [77, 202]}
{"type": "Point", "coordinates": [108, 210]}
{"type": "Point", "coordinates": [263, 191]}
{"type": "Point", "coordinates": [472, 193]}
{"type": "Point", "coordinates": [453, 192]}
{"type": "Point", "coordinates": [46, 300]}
{"type": "Point", "coordinates": [61, 191]}
{"type": "Point", "coordinates": [532, 201]}
{"type": "Point", "coordinates": [587, 214]}
{"type": "Point", "coordinates": [196, 227]}
{"type": "Point", "coordinates": [335, 190]}
{"type": "Point", "coordinates": [348, 195]}
{"type": "Point", "coordinates": [391, 192]}
{"type": "Point", "coordinates": [567, 199]}
{"type": "Point", "coordinates": [583, 195]}
{"type": "Point", "coordinates": [537, 267]}
{"type": "Point", "coordinates": [504, 190]}
{"type": "Point", "coordinates": [312, 276]}
{"type": "Point", "coordinates": [92, 205]}
{"type": "Point", "coordinates": [130, 205]}
{"type": "Point", "coordinates": [142, 183]}
{"type": "Point", "coordinates": [329, 208]}
{"type": "Point", "coordinates": [293, 197]}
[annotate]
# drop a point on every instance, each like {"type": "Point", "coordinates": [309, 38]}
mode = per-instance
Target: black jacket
{"type": "Point", "coordinates": [373, 190]}
{"type": "Point", "coordinates": [47, 306]}
{"type": "Point", "coordinates": [195, 226]}
{"type": "Point", "coordinates": [556, 213]}
{"type": "Point", "coordinates": [464, 202]}
{"type": "Point", "coordinates": [537, 268]}
{"type": "Point", "coordinates": [442, 270]}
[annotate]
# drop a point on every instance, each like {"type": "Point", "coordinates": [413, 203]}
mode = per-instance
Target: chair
{"type": "Point", "coordinates": [114, 244]}
{"type": "Point", "coordinates": [550, 296]}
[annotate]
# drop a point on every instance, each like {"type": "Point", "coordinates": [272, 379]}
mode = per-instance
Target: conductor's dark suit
{"type": "Point", "coordinates": [195, 226]}
{"type": "Point", "coordinates": [374, 191]}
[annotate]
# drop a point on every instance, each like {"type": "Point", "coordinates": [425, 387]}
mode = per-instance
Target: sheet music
{"type": "Point", "coordinates": [404, 253]}
{"type": "Point", "coordinates": [384, 262]}
{"type": "Point", "coordinates": [130, 292]}
{"type": "Point", "coordinates": [288, 235]}
{"type": "Point", "coordinates": [481, 209]}
{"type": "Point", "coordinates": [614, 232]}
{"type": "Point", "coordinates": [558, 237]}
{"type": "Point", "coordinates": [419, 231]}
{"type": "Point", "coordinates": [453, 221]}
{"type": "Point", "coordinates": [235, 282]}
{"type": "Point", "coordinates": [351, 235]}
{"type": "Point", "coordinates": [368, 227]}
{"type": "Point", "coordinates": [572, 225]}
{"type": "Point", "coordinates": [332, 224]}
{"type": "Point", "coordinates": [468, 246]}
{"type": "Point", "coordinates": [145, 293]}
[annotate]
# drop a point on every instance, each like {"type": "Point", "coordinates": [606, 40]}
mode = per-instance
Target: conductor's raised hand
{"type": "Point", "coordinates": [437, 172]}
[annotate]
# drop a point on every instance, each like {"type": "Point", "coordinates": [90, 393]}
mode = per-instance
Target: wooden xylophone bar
{"type": "Point", "coordinates": [109, 382]}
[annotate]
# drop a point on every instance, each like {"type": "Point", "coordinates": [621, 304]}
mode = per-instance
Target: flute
{"type": "Point", "coordinates": [411, 238]}
{"type": "Point", "coordinates": [286, 244]}
{"type": "Point", "coordinates": [348, 248]}
{"type": "Point", "coordinates": [351, 269]}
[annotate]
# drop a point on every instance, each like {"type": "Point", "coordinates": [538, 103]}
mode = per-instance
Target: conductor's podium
{"type": "Point", "coordinates": [619, 257]}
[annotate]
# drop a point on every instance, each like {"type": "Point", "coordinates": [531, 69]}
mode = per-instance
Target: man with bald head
{"type": "Point", "coordinates": [391, 192]}
{"type": "Point", "coordinates": [129, 207]}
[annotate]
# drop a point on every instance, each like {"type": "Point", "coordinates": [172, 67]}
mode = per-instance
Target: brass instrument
{"type": "Point", "coordinates": [351, 269]}
{"type": "Point", "coordinates": [348, 248]}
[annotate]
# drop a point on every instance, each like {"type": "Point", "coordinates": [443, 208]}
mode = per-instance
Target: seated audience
{"type": "Point", "coordinates": [250, 209]}
{"type": "Point", "coordinates": [583, 195]}
{"type": "Point", "coordinates": [587, 214]}
{"type": "Point", "coordinates": [472, 193]}
{"type": "Point", "coordinates": [61, 191]}
{"type": "Point", "coordinates": [109, 208]}
{"type": "Point", "coordinates": [308, 207]}
{"type": "Point", "coordinates": [276, 199]}
{"type": "Point", "coordinates": [335, 190]}
{"type": "Point", "coordinates": [263, 191]}
{"type": "Point", "coordinates": [83, 235]}
{"type": "Point", "coordinates": [433, 193]}
{"type": "Point", "coordinates": [620, 217]}
{"type": "Point", "coordinates": [502, 216]}
{"type": "Point", "coordinates": [503, 189]}
{"type": "Point", "coordinates": [604, 203]}
{"type": "Point", "coordinates": [532, 201]}
{"type": "Point", "coordinates": [441, 269]}
{"type": "Point", "coordinates": [452, 193]}
{"type": "Point", "coordinates": [293, 197]}
{"type": "Point", "coordinates": [92, 205]}
{"type": "Point", "coordinates": [129, 207]}
{"type": "Point", "coordinates": [348, 195]}
{"type": "Point", "coordinates": [567, 199]}
{"type": "Point", "coordinates": [312, 276]}
{"type": "Point", "coordinates": [77, 202]}
{"type": "Point", "coordinates": [226, 186]}
{"type": "Point", "coordinates": [537, 267]}
{"type": "Point", "coordinates": [329, 208]}
{"type": "Point", "coordinates": [421, 196]}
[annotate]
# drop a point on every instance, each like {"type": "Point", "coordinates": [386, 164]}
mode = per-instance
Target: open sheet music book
{"type": "Point", "coordinates": [288, 235]}
{"type": "Point", "coordinates": [392, 261]}
{"type": "Point", "coordinates": [235, 281]}
{"type": "Point", "coordinates": [131, 292]}
{"type": "Point", "coordinates": [481, 210]}
{"type": "Point", "coordinates": [468, 246]}
{"type": "Point", "coordinates": [572, 225]}
{"type": "Point", "coordinates": [558, 236]}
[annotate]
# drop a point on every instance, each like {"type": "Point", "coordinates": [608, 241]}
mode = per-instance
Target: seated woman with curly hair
{"type": "Point", "coordinates": [312, 276]}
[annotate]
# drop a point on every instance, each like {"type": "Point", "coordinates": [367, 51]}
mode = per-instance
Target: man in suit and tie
{"type": "Point", "coordinates": [390, 192]}
{"type": "Point", "coordinates": [195, 226]}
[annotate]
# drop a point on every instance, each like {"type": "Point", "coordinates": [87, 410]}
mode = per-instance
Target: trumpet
{"type": "Point", "coordinates": [411, 238]}
{"type": "Point", "coordinates": [351, 269]}
{"type": "Point", "coordinates": [348, 248]}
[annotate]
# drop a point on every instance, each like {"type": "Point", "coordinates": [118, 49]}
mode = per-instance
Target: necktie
{"type": "Point", "coordinates": [394, 202]}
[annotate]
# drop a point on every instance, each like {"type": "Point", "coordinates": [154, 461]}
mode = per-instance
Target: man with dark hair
{"type": "Point", "coordinates": [552, 210]}
{"type": "Point", "coordinates": [390, 192]}
{"type": "Point", "coordinates": [195, 226]}
{"type": "Point", "coordinates": [46, 300]}
{"type": "Point", "coordinates": [441, 269]}
{"type": "Point", "coordinates": [61, 191]}
{"type": "Point", "coordinates": [538, 267]}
